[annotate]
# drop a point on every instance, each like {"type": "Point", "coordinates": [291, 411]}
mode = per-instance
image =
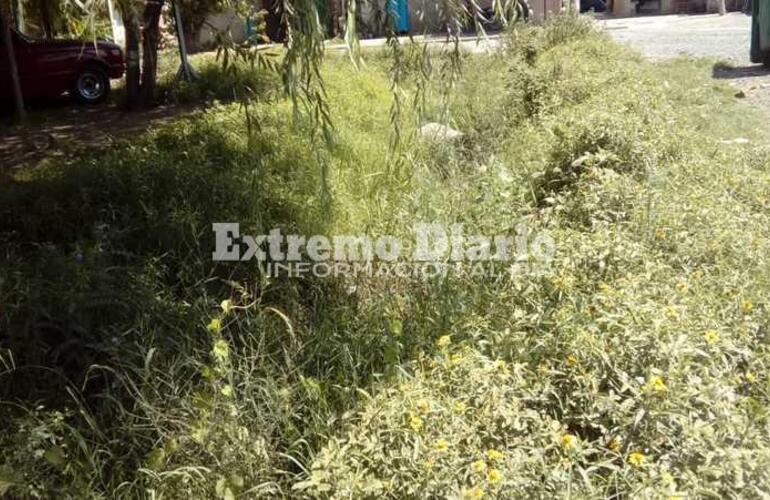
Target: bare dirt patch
{"type": "Point", "coordinates": [55, 131]}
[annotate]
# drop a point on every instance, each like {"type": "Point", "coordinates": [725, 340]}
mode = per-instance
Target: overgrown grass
{"type": "Point", "coordinates": [635, 366]}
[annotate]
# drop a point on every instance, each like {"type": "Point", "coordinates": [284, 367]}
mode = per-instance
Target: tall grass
{"type": "Point", "coordinates": [637, 366]}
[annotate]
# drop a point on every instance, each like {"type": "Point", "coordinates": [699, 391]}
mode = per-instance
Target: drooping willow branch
{"type": "Point", "coordinates": [304, 45]}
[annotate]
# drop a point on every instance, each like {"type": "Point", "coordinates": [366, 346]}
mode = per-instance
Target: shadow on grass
{"type": "Point", "coordinates": [724, 71]}
{"type": "Point", "coordinates": [60, 124]}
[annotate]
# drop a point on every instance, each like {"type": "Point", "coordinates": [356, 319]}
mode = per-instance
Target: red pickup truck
{"type": "Point", "coordinates": [49, 68]}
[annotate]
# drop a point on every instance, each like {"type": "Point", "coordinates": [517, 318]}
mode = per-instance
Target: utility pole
{"type": "Point", "coordinates": [5, 26]}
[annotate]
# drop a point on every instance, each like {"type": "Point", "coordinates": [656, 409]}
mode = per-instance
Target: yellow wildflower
{"type": "Point", "coordinates": [711, 337]}
{"type": "Point", "coordinates": [493, 454]}
{"type": "Point", "coordinates": [442, 445]}
{"type": "Point", "coordinates": [501, 365]}
{"type": "Point", "coordinates": [444, 341]}
{"type": "Point", "coordinates": [479, 466]}
{"type": "Point", "coordinates": [227, 390]}
{"type": "Point", "coordinates": [682, 287]}
{"type": "Point", "coordinates": [226, 305]}
{"type": "Point", "coordinates": [569, 441]}
{"type": "Point", "coordinates": [747, 306]}
{"type": "Point", "coordinates": [614, 444]}
{"type": "Point", "coordinates": [750, 377]}
{"type": "Point", "coordinates": [456, 359]}
{"type": "Point", "coordinates": [657, 384]}
{"type": "Point", "coordinates": [494, 476]}
{"type": "Point", "coordinates": [429, 463]}
{"type": "Point", "coordinates": [572, 360]}
{"type": "Point", "coordinates": [415, 423]}
{"type": "Point", "coordinates": [221, 350]}
{"type": "Point", "coordinates": [199, 434]}
{"type": "Point", "coordinates": [637, 459]}
{"type": "Point", "coordinates": [423, 407]}
{"type": "Point", "coordinates": [460, 407]}
{"type": "Point", "coordinates": [474, 492]}
{"type": "Point", "coordinates": [562, 283]}
{"type": "Point", "coordinates": [660, 234]}
{"type": "Point", "coordinates": [214, 325]}
{"type": "Point", "coordinates": [670, 312]}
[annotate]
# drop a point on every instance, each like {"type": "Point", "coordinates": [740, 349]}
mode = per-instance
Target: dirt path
{"type": "Point", "coordinates": [56, 129]}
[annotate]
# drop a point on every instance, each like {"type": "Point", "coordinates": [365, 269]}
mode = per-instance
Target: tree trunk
{"type": "Point", "coordinates": [5, 26]}
{"type": "Point", "coordinates": [722, 7]}
{"type": "Point", "coordinates": [150, 40]}
{"type": "Point", "coordinates": [335, 11]}
{"type": "Point", "coordinates": [133, 70]}
{"type": "Point", "coordinates": [45, 18]}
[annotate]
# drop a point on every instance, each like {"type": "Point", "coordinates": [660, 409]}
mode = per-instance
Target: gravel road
{"type": "Point", "coordinates": [709, 35]}
{"type": "Point", "coordinates": [725, 39]}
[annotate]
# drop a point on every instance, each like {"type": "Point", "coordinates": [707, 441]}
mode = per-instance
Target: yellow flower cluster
{"type": "Point", "coordinates": [493, 475]}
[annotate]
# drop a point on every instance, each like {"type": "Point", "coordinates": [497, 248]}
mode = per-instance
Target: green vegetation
{"type": "Point", "coordinates": [135, 366]}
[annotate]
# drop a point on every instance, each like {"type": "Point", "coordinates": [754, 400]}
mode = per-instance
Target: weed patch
{"type": "Point", "coordinates": [131, 363]}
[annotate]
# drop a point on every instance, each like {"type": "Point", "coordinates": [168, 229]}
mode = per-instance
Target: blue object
{"type": "Point", "coordinates": [399, 10]}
